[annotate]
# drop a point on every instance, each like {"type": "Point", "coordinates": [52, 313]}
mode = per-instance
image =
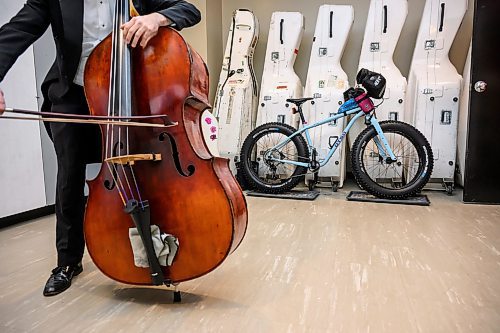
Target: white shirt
{"type": "Point", "coordinates": [97, 25]}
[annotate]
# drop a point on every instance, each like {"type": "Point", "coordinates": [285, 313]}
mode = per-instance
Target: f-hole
{"type": "Point", "coordinates": [111, 184]}
{"type": "Point", "coordinates": [175, 155]}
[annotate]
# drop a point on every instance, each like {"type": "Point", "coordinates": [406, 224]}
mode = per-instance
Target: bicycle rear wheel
{"type": "Point", "coordinates": [387, 179]}
{"type": "Point", "coordinates": [268, 176]}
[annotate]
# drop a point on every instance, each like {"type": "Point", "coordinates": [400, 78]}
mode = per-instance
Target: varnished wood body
{"type": "Point", "coordinates": [206, 210]}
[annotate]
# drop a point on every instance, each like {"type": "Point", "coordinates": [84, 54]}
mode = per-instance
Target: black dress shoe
{"type": "Point", "coordinates": [60, 280]}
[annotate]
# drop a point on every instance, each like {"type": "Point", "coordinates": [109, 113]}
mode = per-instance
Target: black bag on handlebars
{"type": "Point", "coordinates": [353, 93]}
{"type": "Point", "coordinates": [374, 83]}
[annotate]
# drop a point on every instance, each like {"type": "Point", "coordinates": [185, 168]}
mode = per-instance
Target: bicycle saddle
{"type": "Point", "coordinates": [299, 101]}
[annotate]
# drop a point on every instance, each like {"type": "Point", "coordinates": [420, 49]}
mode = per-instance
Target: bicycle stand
{"type": "Point", "coordinates": [293, 195]}
{"type": "Point", "coordinates": [361, 196]}
{"type": "Point", "coordinates": [331, 182]}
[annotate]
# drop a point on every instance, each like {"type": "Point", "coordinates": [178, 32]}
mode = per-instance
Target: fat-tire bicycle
{"type": "Point", "coordinates": [390, 159]}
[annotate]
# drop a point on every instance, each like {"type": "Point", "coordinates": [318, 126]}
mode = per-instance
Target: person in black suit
{"type": "Point", "coordinates": [77, 27]}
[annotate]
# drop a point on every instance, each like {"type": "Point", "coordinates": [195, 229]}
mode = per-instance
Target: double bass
{"type": "Point", "coordinates": [156, 168]}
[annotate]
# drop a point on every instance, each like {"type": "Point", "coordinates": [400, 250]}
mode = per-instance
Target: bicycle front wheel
{"type": "Point", "coordinates": [259, 168]}
{"type": "Point", "coordinates": [389, 179]}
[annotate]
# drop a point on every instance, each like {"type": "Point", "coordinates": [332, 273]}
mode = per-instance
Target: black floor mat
{"type": "Point", "coordinates": [420, 200]}
{"type": "Point", "coordinates": [293, 195]}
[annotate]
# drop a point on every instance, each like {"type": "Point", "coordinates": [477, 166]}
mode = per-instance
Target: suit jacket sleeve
{"type": "Point", "coordinates": [22, 31]}
{"type": "Point", "coordinates": [180, 12]}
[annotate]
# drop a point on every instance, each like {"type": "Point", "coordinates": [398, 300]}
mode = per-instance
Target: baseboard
{"type": "Point", "coordinates": [26, 216]}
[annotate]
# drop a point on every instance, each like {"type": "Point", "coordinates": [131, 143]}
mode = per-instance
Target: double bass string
{"type": "Point", "coordinates": [128, 79]}
{"type": "Point", "coordinates": [121, 72]}
{"type": "Point", "coordinates": [120, 100]}
{"type": "Point", "coordinates": [124, 74]}
{"type": "Point", "coordinates": [126, 70]}
{"type": "Point", "coordinates": [118, 76]}
{"type": "Point", "coordinates": [128, 90]}
{"type": "Point", "coordinates": [111, 99]}
{"type": "Point", "coordinates": [111, 107]}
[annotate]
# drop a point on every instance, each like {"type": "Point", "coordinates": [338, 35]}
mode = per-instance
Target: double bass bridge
{"type": "Point", "coordinates": [132, 159]}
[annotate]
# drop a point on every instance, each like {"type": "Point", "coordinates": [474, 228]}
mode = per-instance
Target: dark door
{"type": "Point", "coordinates": [482, 166]}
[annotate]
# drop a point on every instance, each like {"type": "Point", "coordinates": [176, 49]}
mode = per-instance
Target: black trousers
{"type": "Point", "coordinates": [75, 146]}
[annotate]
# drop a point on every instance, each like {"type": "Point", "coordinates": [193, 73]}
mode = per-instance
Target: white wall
{"type": "Point", "coordinates": [22, 181]}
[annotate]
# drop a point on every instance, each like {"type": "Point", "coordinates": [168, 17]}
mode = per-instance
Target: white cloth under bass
{"type": "Point", "coordinates": [97, 25]}
{"type": "Point", "coordinates": [162, 250]}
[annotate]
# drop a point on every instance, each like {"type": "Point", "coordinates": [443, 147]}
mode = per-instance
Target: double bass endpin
{"type": "Point", "coordinates": [177, 294]}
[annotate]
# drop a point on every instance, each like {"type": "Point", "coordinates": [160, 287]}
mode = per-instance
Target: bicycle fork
{"type": "Point", "coordinates": [381, 141]}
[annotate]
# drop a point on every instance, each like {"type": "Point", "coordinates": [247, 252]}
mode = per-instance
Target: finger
{"type": "Point", "coordinates": [126, 27]}
{"type": "Point", "coordinates": [130, 23]}
{"type": "Point", "coordinates": [130, 28]}
{"type": "Point", "coordinates": [137, 37]}
{"type": "Point", "coordinates": [146, 38]}
{"type": "Point", "coordinates": [132, 33]}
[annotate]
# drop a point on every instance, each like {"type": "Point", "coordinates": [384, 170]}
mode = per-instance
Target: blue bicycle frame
{"type": "Point", "coordinates": [348, 108]}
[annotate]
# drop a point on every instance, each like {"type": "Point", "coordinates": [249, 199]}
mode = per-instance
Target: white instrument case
{"type": "Point", "coordinates": [386, 19]}
{"type": "Point", "coordinates": [236, 98]}
{"type": "Point", "coordinates": [463, 121]}
{"type": "Point", "coordinates": [327, 81]}
{"type": "Point", "coordinates": [433, 96]}
{"type": "Point", "coordinates": [279, 80]}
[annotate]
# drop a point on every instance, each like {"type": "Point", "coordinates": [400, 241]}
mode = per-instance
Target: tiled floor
{"type": "Point", "coordinates": [323, 266]}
